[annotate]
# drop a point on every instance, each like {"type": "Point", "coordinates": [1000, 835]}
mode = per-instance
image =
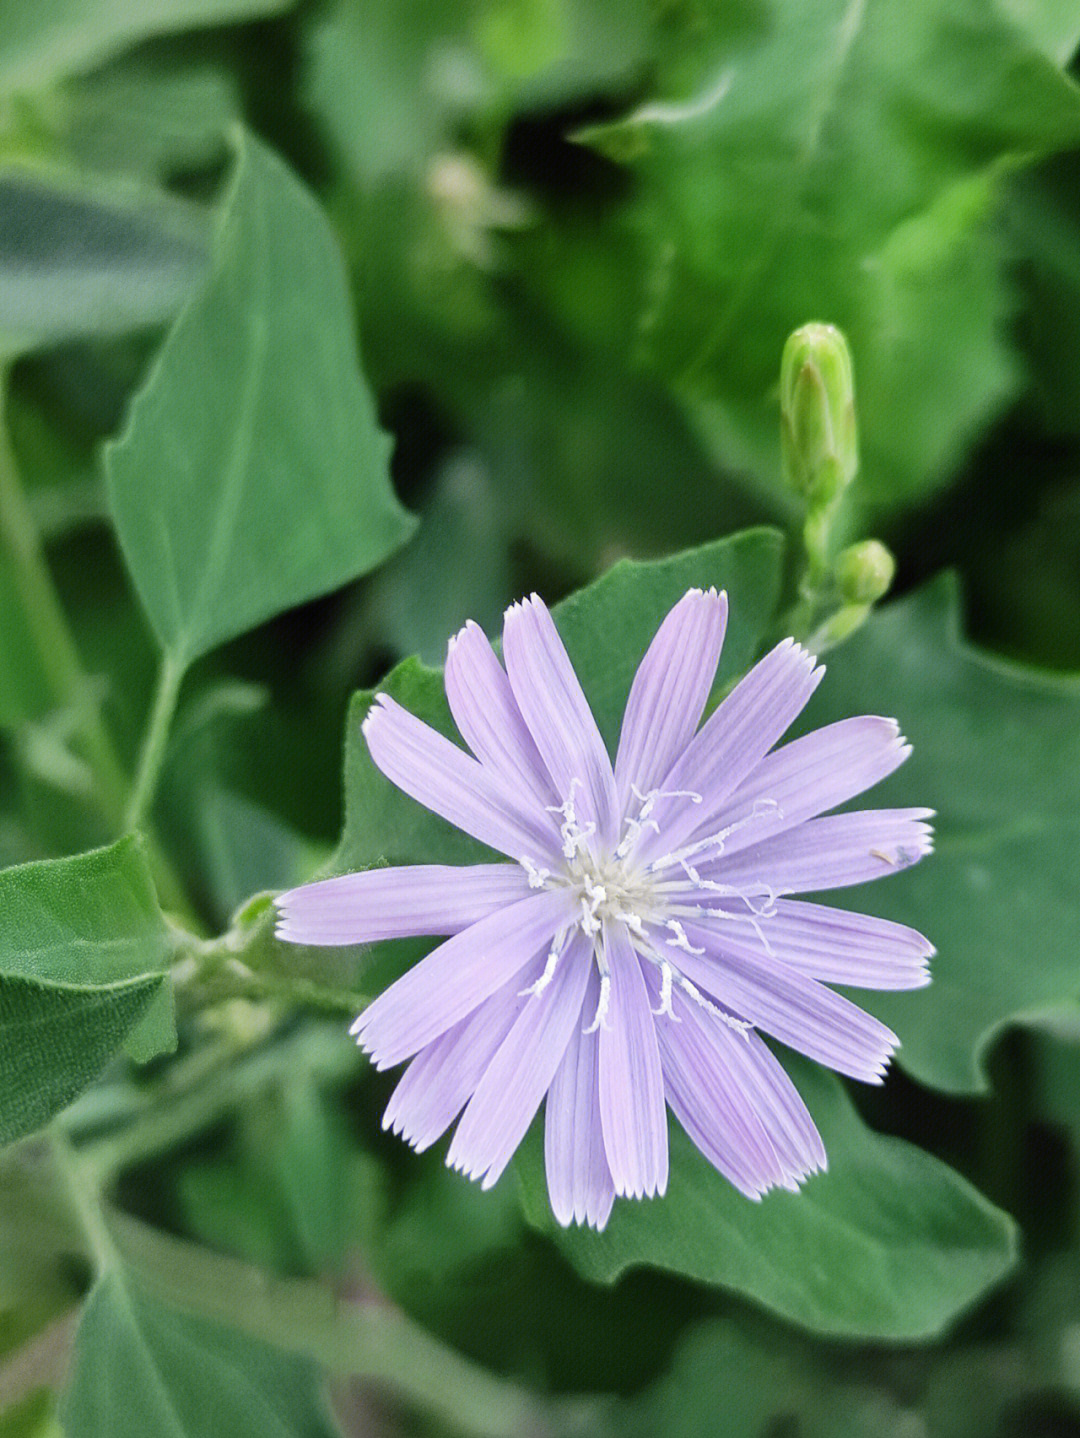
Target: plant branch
{"type": "Point", "coordinates": [155, 741]}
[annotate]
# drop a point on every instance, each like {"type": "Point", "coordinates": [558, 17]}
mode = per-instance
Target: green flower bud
{"type": "Point", "coordinates": [865, 571]}
{"type": "Point", "coordinates": [817, 414]}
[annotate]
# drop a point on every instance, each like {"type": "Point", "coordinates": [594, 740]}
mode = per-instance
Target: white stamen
{"type": "Point", "coordinates": [761, 808]}
{"type": "Point", "coordinates": [680, 941]}
{"type": "Point", "coordinates": [535, 990]}
{"type": "Point", "coordinates": [590, 924]}
{"type": "Point", "coordinates": [634, 830]}
{"type": "Point", "coordinates": [633, 922]}
{"type": "Point", "coordinates": [538, 877]}
{"type": "Point", "coordinates": [649, 799]}
{"type": "Point", "coordinates": [600, 1020]}
{"type": "Point", "coordinates": [667, 977]}
{"type": "Point", "coordinates": [692, 991]}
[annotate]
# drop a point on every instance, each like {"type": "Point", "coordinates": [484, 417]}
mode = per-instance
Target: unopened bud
{"type": "Point", "coordinates": [817, 413]}
{"type": "Point", "coordinates": [865, 571]}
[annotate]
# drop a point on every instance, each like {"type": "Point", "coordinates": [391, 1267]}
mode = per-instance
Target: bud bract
{"type": "Point", "coordinates": [864, 572]}
{"type": "Point", "coordinates": [817, 413]}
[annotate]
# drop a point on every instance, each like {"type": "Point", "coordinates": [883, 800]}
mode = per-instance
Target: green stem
{"type": "Point", "coordinates": [48, 625]}
{"type": "Point", "coordinates": [82, 1190]}
{"type": "Point", "coordinates": [369, 1339]}
{"type": "Point", "coordinates": [68, 682]}
{"type": "Point", "coordinates": [170, 677]}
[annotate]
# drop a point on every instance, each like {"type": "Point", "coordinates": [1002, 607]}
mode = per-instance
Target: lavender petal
{"type": "Point", "coordinates": [786, 1118]}
{"type": "Point", "coordinates": [731, 743]}
{"type": "Point", "coordinates": [520, 1074]}
{"type": "Point", "coordinates": [558, 715]}
{"type": "Point", "coordinates": [486, 713]}
{"type": "Point", "coordinates": [579, 1181]}
{"type": "Point", "coordinates": [442, 1078]}
{"type": "Point", "coordinates": [829, 853]}
{"type": "Point", "coordinates": [798, 1011]}
{"type": "Point", "coordinates": [458, 976]}
{"type": "Point", "coordinates": [708, 1097]}
{"type": "Point", "coordinates": [631, 1082]}
{"type": "Point", "coordinates": [810, 776]}
{"type": "Point", "coordinates": [670, 689]}
{"type": "Point", "coordinates": [838, 947]}
{"type": "Point", "coordinates": [396, 903]}
{"type": "Point", "coordinates": [452, 784]}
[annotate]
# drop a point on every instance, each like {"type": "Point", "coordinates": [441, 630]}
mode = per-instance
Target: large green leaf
{"type": "Point", "coordinates": [997, 753]}
{"type": "Point", "coordinates": [141, 1368]}
{"type": "Point", "coordinates": [607, 628]}
{"type": "Point", "coordinates": [82, 955]}
{"type": "Point", "coordinates": [429, 590]}
{"type": "Point", "coordinates": [44, 41]}
{"type": "Point", "coordinates": [252, 474]}
{"type": "Point", "coordinates": [1043, 220]}
{"type": "Point", "coordinates": [889, 1243]}
{"type": "Point", "coordinates": [80, 259]}
{"type": "Point", "coordinates": [767, 1380]}
{"type": "Point", "coordinates": [762, 202]}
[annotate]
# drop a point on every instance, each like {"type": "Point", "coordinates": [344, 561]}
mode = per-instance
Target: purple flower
{"type": "Point", "coordinates": [626, 958]}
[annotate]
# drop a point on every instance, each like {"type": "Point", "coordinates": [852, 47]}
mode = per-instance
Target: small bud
{"type": "Point", "coordinates": [817, 413]}
{"type": "Point", "coordinates": [865, 571]}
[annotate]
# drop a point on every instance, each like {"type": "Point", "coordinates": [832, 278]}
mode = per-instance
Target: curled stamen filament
{"type": "Point", "coordinates": [538, 877]}
{"type": "Point", "coordinates": [667, 978]}
{"type": "Point", "coordinates": [600, 1018]}
{"type": "Point", "coordinates": [680, 941]}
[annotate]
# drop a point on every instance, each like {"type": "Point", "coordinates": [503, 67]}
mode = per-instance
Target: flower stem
{"type": "Point", "coordinates": [170, 677]}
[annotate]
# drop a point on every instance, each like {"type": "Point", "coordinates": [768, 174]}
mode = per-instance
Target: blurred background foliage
{"type": "Point", "coordinates": [577, 234]}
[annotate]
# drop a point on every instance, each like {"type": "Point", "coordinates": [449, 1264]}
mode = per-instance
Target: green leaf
{"type": "Point", "coordinates": [763, 1378]}
{"type": "Point", "coordinates": [391, 84]}
{"type": "Point", "coordinates": [252, 475]}
{"type": "Point", "coordinates": [43, 42]}
{"type": "Point", "coordinates": [997, 753]}
{"type": "Point", "coordinates": [427, 592]}
{"type": "Point", "coordinates": [762, 203]}
{"type": "Point", "coordinates": [141, 1368]}
{"type": "Point", "coordinates": [33, 1417]}
{"type": "Point", "coordinates": [607, 628]}
{"type": "Point", "coordinates": [150, 117]}
{"type": "Point", "coordinates": [888, 1244]}
{"type": "Point", "coordinates": [82, 956]}
{"type": "Point", "coordinates": [245, 849]}
{"type": "Point", "coordinates": [1043, 219]}
{"type": "Point", "coordinates": [80, 259]}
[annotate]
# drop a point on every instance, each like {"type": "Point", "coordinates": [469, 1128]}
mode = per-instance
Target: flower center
{"type": "Point", "coordinates": [651, 900]}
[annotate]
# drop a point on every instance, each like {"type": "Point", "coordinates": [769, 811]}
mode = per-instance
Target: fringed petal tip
{"type": "Point", "coordinates": [654, 1187]}
{"type": "Point", "coordinates": [380, 702]}
{"type": "Point", "coordinates": [587, 1215]}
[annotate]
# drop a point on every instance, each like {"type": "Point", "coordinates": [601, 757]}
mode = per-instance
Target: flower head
{"type": "Point", "coordinates": [641, 935]}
